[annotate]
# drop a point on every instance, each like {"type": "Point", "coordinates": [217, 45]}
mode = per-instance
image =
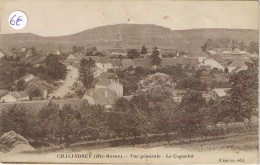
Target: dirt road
{"type": "Point", "coordinates": [72, 76]}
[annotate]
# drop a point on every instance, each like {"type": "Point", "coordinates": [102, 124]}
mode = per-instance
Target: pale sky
{"type": "Point", "coordinates": [63, 17]}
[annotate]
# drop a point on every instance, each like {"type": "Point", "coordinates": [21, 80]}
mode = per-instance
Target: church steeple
{"type": "Point", "coordinates": [118, 40]}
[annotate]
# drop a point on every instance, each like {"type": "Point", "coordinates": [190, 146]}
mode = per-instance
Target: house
{"type": "Point", "coordinates": [15, 97]}
{"type": "Point", "coordinates": [101, 62]}
{"type": "Point", "coordinates": [8, 54]}
{"type": "Point", "coordinates": [40, 84]}
{"type": "Point", "coordinates": [128, 98]}
{"type": "Point", "coordinates": [216, 61]}
{"type": "Point", "coordinates": [106, 91]}
{"type": "Point", "coordinates": [218, 93]}
{"type": "Point", "coordinates": [118, 51]}
{"type": "Point", "coordinates": [142, 62]}
{"type": "Point", "coordinates": [198, 54]}
{"type": "Point", "coordinates": [1, 54]}
{"type": "Point", "coordinates": [183, 61]}
{"type": "Point", "coordinates": [104, 63]}
{"type": "Point", "coordinates": [27, 78]}
{"type": "Point", "coordinates": [96, 71]}
{"type": "Point", "coordinates": [116, 64]}
{"type": "Point", "coordinates": [206, 96]}
{"type": "Point", "coordinates": [101, 96]}
{"type": "Point", "coordinates": [52, 51]}
{"type": "Point", "coordinates": [211, 52]}
{"type": "Point", "coordinates": [3, 92]}
{"type": "Point", "coordinates": [35, 60]}
{"type": "Point", "coordinates": [35, 83]}
{"type": "Point", "coordinates": [235, 53]}
{"type": "Point", "coordinates": [111, 81]}
{"type": "Point", "coordinates": [126, 63]}
{"type": "Point", "coordinates": [213, 64]}
{"type": "Point", "coordinates": [177, 95]}
{"type": "Point", "coordinates": [19, 53]}
{"type": "Point", "coordinates": [139, 62]}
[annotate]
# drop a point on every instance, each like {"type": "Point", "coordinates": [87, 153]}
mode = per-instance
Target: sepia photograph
{"type": "Point", "coordinates": [134, 81]}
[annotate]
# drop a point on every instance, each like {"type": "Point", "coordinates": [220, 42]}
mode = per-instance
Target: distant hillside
{"type": "Point", "coordinates": [133, 36]}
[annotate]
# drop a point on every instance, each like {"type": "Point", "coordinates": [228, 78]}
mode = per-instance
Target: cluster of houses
{"type": "Point", "coordinates": [108, 88]}
{"type": "Point", "coordinates": [27, 53]}
{"type": "Point", "coordinates": [34, 58]}
{"type": "Point", "coordinates": [32, 84]}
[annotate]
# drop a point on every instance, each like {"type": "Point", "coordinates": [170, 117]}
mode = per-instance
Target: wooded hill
{"type": "Point", "coordinates": [133, 36]}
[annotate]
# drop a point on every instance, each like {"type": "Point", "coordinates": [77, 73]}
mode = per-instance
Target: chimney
{"type": "Point", "coordinates": [105, 93]}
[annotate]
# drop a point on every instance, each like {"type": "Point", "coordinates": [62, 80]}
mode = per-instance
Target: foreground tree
{"type": "Point", "coordinates": [15, 118]}
{"type": "Point", "coordinates": [48, 122]}
{"type": "Point", "coordinates": [191, 115]}
{"type": "Point", "coordinates": [69, 124]}
{"type": "Point", "coordinates": [243, 95]}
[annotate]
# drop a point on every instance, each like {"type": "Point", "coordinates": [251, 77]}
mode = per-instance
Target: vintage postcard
{"type": "Point", "coordinates": [133, 81]}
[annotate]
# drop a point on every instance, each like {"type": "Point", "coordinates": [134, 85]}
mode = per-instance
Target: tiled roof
{"type": "Point", "coordinates": [104, 60]}
{"type": "Point", "coordinates": [79, 56]}
{"type": "Point", "coordinates": [38, 80]}
{"type": "Point", "coordinates": [116, 62]}
{"type": "Point", "coordinates": [236, 51]}
{"type": "Point", "coordinates": [51, 51]}
{"type": "Point", "coordinates": [99, 96]}
{"type": "Point", "coordinates": [128, 98]}
{"type": "Point", "coordinates": [180, 60]}
{"type": "Point", "coordinates": [33, 59]}
{"type": "Point", "coordinates": [3, 92]}
{"type": "Point", "coordinates": [221, 91]}
{"type": "Point", "coordinates": [19, 94]}
{"type": "Point", "coordinates": [118, 51]}
{"type": "Point", "coordinates": [236, 69]}
{"type": "Point", "coordinates": [212, 52]}
{"type": "Point", "coordinates": [141, 62]}
{"type": "Point", "coordinates": [126, 63]}
{"type": "Point", "coordinates": [92, 70]}
{"type": "Point", "coordinates": [221, 60]}
{"type": "Point", "coordinates": [237, 64]}
{"type": "Point", "coordinates": [197, 54]}
{"type": "Point", "coordinates": [104, 82]}
{"type": "Point", "coordinates": [95, 58]}
{"type": "Point", "coordinates": [27, 78]}
{"type": "Point", "coordinates": [107, 75]}
{"type": "Point", "coordinates": [8, 53]}
{"type": "Point", "coordinates": [20, 53]}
